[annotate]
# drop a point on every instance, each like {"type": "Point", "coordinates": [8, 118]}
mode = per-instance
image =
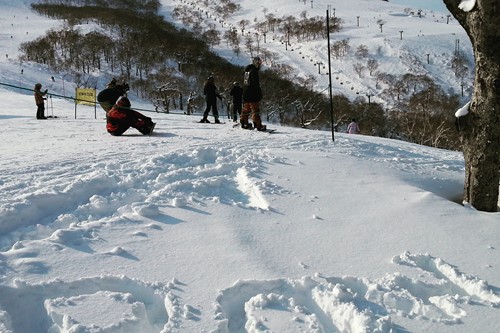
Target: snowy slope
{"type": "Point", "coordinates": [208, 228]}
{"type": "Point", "coordinates": [425, 46]}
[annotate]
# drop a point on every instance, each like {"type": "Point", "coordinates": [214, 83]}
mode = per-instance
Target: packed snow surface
{"type": "Point", "coordinates": [210, 228]}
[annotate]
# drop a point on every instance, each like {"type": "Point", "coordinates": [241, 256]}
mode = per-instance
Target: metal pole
{"type": "Point", "coordinates": [330, 73]}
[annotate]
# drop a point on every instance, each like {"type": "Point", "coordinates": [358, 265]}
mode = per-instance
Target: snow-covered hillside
{"type": "Point", "coordinates": [407, 42]}
{"type": "Point", "coordinates": [209, 228]}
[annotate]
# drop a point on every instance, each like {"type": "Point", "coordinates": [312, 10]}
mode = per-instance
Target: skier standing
{"type": "Point", "coordinates": [211, 95]}
{"type": "Point", "coordinates": [40, 101]}
{"type": "Point", "coordinates": [353, 127]}
{"type": "Point", "coordinates": [237, 93]}
{"type": "Point", "coordinates": [252, 95]}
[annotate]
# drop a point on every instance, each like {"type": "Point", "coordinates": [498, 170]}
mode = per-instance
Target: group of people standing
{"type": "Point", "coordinates": [245, 99]}
{"type": "Point", "coordinates": [120, 116]}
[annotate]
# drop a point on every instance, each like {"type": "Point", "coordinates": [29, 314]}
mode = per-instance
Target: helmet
{"type": "Point", "coordinates": [38, 86]}
{"type": "Point", "coordinates": [257, 61]}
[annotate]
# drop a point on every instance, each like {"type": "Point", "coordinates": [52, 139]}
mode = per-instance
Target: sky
{"type": "Point", "coordinates": [211, 228]}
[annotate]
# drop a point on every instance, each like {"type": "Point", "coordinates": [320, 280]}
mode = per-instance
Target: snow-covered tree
{"type": "Point", "coordinates": [480, 127]}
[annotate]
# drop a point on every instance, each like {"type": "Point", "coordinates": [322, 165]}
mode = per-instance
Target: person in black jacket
{"type": "Point", "coordinates": [236, 93]}
{"type": "Point", "coordinates": [252, 95]}
{"type": "Point", "coordinates": [108, 97]}
{"type": "Point", "coordinates": [211, 95]}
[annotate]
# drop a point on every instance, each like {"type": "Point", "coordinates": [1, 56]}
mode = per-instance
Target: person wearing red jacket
{"type": "Point", "coordinates": [121, 117]}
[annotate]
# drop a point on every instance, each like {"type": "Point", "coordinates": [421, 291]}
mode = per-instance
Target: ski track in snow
{"type": "Point", "coordinates": [96, 189]}
{"type": "Point", "coordinates": [104, 193]}
{"type": "Point", "coordinates": [145, 307]}
{"type": "Point", "coordinates": [352, 304]}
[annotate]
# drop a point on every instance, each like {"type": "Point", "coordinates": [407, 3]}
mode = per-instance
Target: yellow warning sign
{"type": "Point", "coordinates": [86, 96]}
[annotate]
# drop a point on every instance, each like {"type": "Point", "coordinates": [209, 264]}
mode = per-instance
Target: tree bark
{"type": "Point", "coordinates": [480, 128]}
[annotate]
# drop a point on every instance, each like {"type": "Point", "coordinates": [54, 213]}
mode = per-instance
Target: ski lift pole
{"type": "Point", "coordinates": [330, 73]}
{"type": "Point", "coordinates": [51, 106]}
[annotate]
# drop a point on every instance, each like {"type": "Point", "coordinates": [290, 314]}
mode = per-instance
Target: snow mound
{"type": "Point", "coordinates": [352, 304]}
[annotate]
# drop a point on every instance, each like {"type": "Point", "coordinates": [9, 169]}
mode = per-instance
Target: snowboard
{"type": "Point", "coordinates": [221, 123]}
{"type": "Point", "coordinates": [267, 130]}
{"type": "Point", "coordinates": [151, 129]}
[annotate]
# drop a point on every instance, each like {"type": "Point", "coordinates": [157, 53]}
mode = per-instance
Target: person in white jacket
{"type": "Point", "coordinates": [353, 127]}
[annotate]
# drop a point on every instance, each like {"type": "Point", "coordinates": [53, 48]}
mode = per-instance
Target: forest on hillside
{"type": "Point", "coordinates": [167, 65]}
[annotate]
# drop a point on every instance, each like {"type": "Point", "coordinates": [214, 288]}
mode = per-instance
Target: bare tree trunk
{"type": "Point", "coordinates": [480, 129]}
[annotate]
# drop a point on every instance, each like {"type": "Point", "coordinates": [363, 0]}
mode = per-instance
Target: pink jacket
{"type": "Point", "coordinates": [353, 128]}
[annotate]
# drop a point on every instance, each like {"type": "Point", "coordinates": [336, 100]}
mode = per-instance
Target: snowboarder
{"type": "Point", "coordinates": [353, 127]}
{"type": "Point", "coordinates": [252, 95]}
{"type": "Point", "coordinates": [237, 93]}
{"type": "Point", "coordinates": [121, 117]}
{"type": "Point", "coordinates": [40, 101]}
{"type": "Point", "coordinates": [211, 95]}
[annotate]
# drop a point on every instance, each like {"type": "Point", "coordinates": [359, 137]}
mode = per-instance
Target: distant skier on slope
{"type": "Point", "coordinates": [40, 101]}
{"type": "Point", "coordinates": [353, 127]}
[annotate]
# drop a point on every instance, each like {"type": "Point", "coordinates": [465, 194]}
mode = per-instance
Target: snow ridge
{"type": "Point", "coordinates": [352, 304]}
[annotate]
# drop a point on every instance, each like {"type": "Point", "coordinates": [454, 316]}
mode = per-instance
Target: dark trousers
{"type": "Point", "coordinates": [236, 111]}
{"type": "Point", "coordinates": [118, 121]}
{"type": "Point", "coordinates": [40, 111]}
{"type": "Point", "coordinates": [211, 105]}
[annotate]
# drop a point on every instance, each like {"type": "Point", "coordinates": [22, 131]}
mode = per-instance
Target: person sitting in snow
{"type": "Point", "coordinates": [121, 117]}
